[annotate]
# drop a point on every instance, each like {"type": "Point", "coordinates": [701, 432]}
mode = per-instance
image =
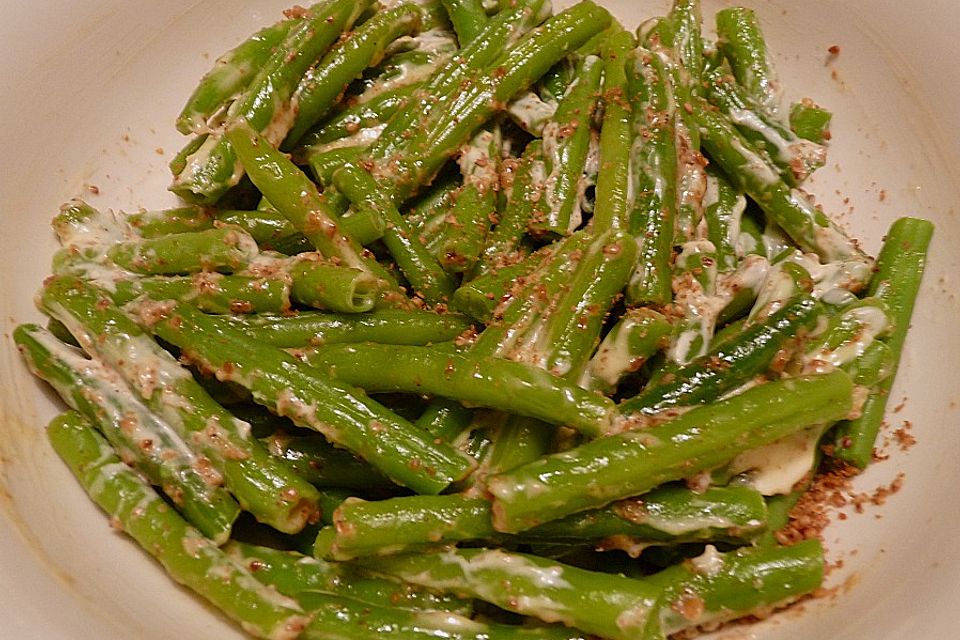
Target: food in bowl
{"type": "Point", "coordinates": [743, 334]}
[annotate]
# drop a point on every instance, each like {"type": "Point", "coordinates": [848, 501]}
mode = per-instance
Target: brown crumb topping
{"type": "Point", "coordinates": [830, 492]}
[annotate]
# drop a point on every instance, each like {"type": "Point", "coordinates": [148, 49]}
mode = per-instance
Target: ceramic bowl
{"type": "Point", "coordinates": [88, 94]}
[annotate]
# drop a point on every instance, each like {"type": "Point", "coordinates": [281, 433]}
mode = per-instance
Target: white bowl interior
{"type": "Point", "coordinates": [89, 93]}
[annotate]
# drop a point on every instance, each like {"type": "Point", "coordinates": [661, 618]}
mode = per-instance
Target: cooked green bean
{"type": "Point", "coordinates": [343, 414]}
{"type": "Point", "coordinates": [384, 326]}
{"type": "Point", "coordinates": [231, 73]}
{"type": "Point", "coordinates": [204, 172]}
{"type": "Point", "coordinates": [604, 470]}
{"type": "Point", "coordinates": [669, 515]}
{"type": "Point", "coordinates": [262, 485]}
{"type": "Point", "coordinates": [146, 441]}
{"type": "Point", "coordinates": [189, 557]}
{"type": "Point", "coordinates": [896, 283]}
{"type": "Point", "coordinates": [513, 387]}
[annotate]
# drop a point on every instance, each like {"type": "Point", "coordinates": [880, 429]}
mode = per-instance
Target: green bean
{"type": "Point", "coordinates": [212, 292]}
{"type": "Point", "coordinates": [873, 366]}
{"type": "Point", "coordinates": [146, 441]}
{"type": "Point", "coordinates": [654, 161]}
{"type": "Point", "coordinates": [180, 161]}
{"type": "Point", "coordinates": [563, 341]}
{"type": "Point", "coordinates": [361, 528]}
{"type": "Point", "coordinates": [353, 120]}
{"type": "Point", "coordinates": [516, 441]}
{"type": "Point", "coordinates": [231, 74]}
{"type": "Point", "coordinates": [731, 363]}
{"type": "Point", "coordinates": [153, 224]}
{"type": "Point", "coordinates": [790, 208]}
{"type": "Point", "coordinates": [324, 465]}
{"type": "Point", "coordinates": [742, 43]}
{"type": "Point", "coordinates": [444, 131]}
{"type": "Point", "coordinates": [524, 199]}
{"type": "Point", "coordinates": [270, 228]}
{"type": "Point", "coordinates": [608, 605]}
{"type": "Point", "coordinates": [188, 557]}
{"type": "Point", "coordinates": [669, 515]}
{"type": "Point", "coordinates": [716, 587]}
{"type": "Point", "coordinates": [385, 326]}
{"type": "Point", "coordinates": [897, 281]}
{"type": "Point", "coordinates": [480, 297]}
{"type": "Point", "coordinates": [289, 388]}
{"type": "Point", "coordinates": [616, 136]}
{"type": "Point", "coordinates": [483, 50]}
{"type": "Point", "coordinates": [784, 280]}
{"type": "Point", "coordinates": [487, 382]}
{"type": "Point", "coordinates": [365, 226]}
{"type": "Point", "coordinates": [530, 299]}
{"type": "Point", "coordinates": [638, 335]}
{"type": "Point", "coordinates": [461, 240]}
{"type": "Point", "coordinates": [554, 82]}
{"type": "Point", "coordinates": [606, 469]}
{"type": "Point", "coordinates": [421, 269]}
{"type": "Point", "coordinates": [227, 581]}
{"type": "Point", "coordinates": [848, 334]}
{"type": "Point", "coordinates": [262, 485]}
{"type": "Point", "coordinates": [445, 419]}
{"type": "Point", "coordinates": [293, 574]}
{"type": "Point", "coordinates": [566, 143]}
{"type": "Point", "coordinates": [468, 18]}
{"type": "Point", "coordinates": [344, 619]}
{"type": "Point", "coordinates": [325, 286]}
{"type": "Point", "coordinates": [697, 299]}
{"type": "Point", "coordinates": [78, 225]}
{"type": "Point", "coordinates": [796, 157]}
{"type": "Point", "coordinates": [225, 249]}
{"type": "Point", "coordinates": [552, 319]}
{"type": "Point", "coordinates": [321, 86]}
{"type": "Point", "coordinates": [678, 41]}
{"type": "Point", "coordinates": [325, 164]}
{"type": "Point", "coordinates": [681, 31]}
{"type": "Point", "coordinates": [658, 328]}
{"type": "Point", "coordinates": [426, 212]}
{"type": "Point", "coordinates": [429, 51]}
{"type": "Point", "coordinates": [297, 198]}
{"type": "Point", "coordinates": [810, 122]}
{"type": "Point", "coordinates": [563, 334]}
{"type": "Point", "coordinates": [202, 174]}
{"type": "Point", "coordinates": [723, 211]}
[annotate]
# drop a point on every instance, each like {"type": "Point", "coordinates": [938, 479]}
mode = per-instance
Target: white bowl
{"type": "Point", "coordinates": [88, 93]}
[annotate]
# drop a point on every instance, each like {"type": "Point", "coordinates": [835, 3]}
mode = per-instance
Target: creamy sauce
{"type": "Point", "coordinates": [440, 43]}
{"type": "Point", "coordinates": [614, 357]}
{"type": "Point", "coordinates": [450, 623]}
{"type": "Point", "coordinates": [795, 152]}
{"type": "Point", "coordinates": [478, 166]}
{"type": "Point", "coordinates": [708, 563]}
{"type": "Point", "coordinates": [775, 241]}
{"type": "Point", "coordinates": [530, 112]}
{"type": "Point", "coordinates": [99, 229]}
{"type": "Point", "coordinates": [121, 407]}
{"type": "Point", "coordinates": [870, 322]}
{"type": "Point", "coordinates": [755, 164]}
{"type": "Point", "coordinates": [702, 308]}
{"type": "Point", "coordinates": [777, 467]}
{"type": "Point", "coordinates": [361, 138]}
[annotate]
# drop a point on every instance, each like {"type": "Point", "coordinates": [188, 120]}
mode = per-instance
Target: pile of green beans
{"type": "Point", "coordinates": [511, 307]}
